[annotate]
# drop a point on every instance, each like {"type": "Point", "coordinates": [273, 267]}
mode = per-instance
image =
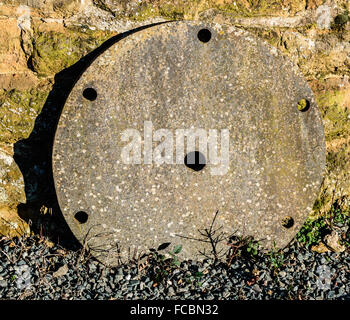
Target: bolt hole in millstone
{"type": "Point", "coordinates": [195, 160]}
{"type": "Point", "coordinates": [288, 222]}
{"type": "Point", "coordinates": [81, 217]}
{"type": "Point", "coordinates": [204, 35]}
{"type": "Point", "coordinates": [90, 94]}
{"type": "Point", "coordinates": [303, 105]}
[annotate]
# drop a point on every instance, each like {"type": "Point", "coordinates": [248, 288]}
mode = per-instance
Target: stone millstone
{"type": "Point", "coordinates": [180, 77]}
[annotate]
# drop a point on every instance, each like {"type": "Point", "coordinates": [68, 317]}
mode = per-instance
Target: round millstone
{"type": "Point", "coordinates": [183, 75]}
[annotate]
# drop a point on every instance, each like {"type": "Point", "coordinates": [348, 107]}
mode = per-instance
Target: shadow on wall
{"type": "Point", "coordinates": [33, 155]}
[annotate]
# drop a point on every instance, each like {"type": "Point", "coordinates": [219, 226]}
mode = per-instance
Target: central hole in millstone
{"type": "Point", "coordinates": [195, 160]}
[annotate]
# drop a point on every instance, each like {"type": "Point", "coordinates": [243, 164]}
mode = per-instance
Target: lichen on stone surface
{"type": "Point", "coordinates": [54, 51]}
{"type": "Point", "coordinates": [178, 9]}
{"type": "Point", "coordinates": [18, 111]}
{"type": "Point", "coordinates": [335, 108]}
{"type": "Point", "coordinates": [11, 181]}
{"type": "Point", "coordinates": [10, 224]}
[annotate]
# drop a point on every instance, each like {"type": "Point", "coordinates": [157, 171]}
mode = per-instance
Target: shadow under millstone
{"type": "Point", "coordinates": [34, 155]}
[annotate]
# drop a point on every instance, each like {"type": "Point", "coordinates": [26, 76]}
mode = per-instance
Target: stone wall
{"type": "Point", "coordinates": [42, 43]}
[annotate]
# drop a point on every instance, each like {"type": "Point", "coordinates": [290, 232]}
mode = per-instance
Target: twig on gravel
{"type": "Point", "coordinates": [6, 255]}
{"type": "Point", "coordinates": [213, 237]}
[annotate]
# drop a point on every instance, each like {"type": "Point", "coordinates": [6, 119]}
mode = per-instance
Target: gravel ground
{"type": "Point", "coordinates": [34, 268]}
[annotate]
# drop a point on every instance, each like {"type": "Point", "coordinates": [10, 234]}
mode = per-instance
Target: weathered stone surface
{"type": "Point", "coordinates": [334, 104]}
{"type": "Point", "coordinates": [14, 72]}
{"type": "Point", "coordinates": [11, 181]}
{"type": "Point", "coordinates": [66, 7]}
{"type": "Point", "coordinates": [11, 194]}
{"type": "Point", "coordinates": [66, 46]}
{"type": "Point", "coordinates": [166, 75]}
{"type": "Point", "coordinates": [141, 9]}
{"type": "Point", "coordinates": [10, 224]}
{"type": "Point", "coordinates": [314, 33]}
{"type": "Point", "coordinates": [333, 241]}
{"type": "Point", "coordinates": [61, 271]}
{"type": "Point", "coordinates": [18, 111]}
{"type": "Point", "coordinates": [320, 248]}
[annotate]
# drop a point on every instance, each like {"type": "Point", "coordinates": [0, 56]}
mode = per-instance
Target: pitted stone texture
{"type": "Point", "coordinates": [11, 181]}
{"type": "Point", "coordinates": [164, 74]}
